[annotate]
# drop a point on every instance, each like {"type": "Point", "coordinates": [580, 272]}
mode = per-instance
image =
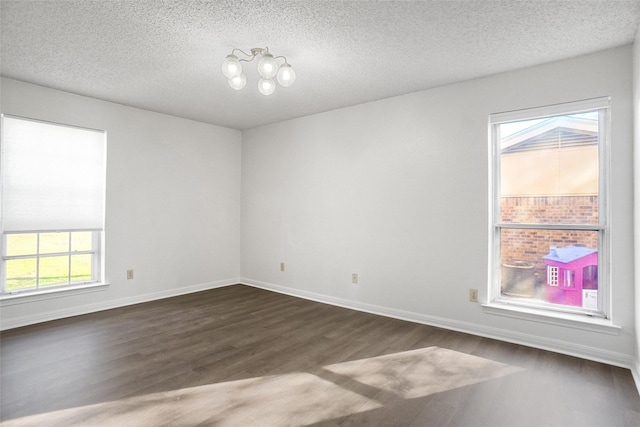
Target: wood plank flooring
{"type": "Point", "coordinates": [244, 356]}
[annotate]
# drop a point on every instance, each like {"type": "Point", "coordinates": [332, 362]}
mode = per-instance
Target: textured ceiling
{"type": "Point", "coordinates": [165, 56]}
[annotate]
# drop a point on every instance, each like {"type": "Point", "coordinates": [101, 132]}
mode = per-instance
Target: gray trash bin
{"type": "Point", "coordinates": [518, 279]}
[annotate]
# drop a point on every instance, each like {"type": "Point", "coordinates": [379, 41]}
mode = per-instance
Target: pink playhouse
{"type": "Point", "coordinates": [572, 276]}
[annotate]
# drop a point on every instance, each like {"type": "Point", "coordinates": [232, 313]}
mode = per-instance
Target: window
{"type": "Point", "coordinates": [42, 260]}
{"type": "Point", "coordinates": [549, 209]}
{"type": "Point", "coordinates": [53, 190]}
{"type": "Point", "coordinates": [552, 275]}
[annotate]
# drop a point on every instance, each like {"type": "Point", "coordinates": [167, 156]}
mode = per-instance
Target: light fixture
{"type": "Point", "coordinates": [268, 69]}
{"type": "Point", "coordinates": [266, 86]}
{"type": "Point", "coordinates": [286, 75]}
{"type": "Point", "coordinates": [238, 82]}
{"type": "Point", "coordinates": [231, 66]}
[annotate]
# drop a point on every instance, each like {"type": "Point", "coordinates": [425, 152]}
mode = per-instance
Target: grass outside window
{"type": "Point", "coordinates": [48, 259]}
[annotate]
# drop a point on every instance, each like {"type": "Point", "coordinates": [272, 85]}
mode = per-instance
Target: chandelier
{"type": "Point", "coordinates": [268, 68]}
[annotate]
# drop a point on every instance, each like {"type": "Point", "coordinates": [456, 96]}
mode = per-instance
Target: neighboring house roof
{"type": "Point", "coordinates": [568, 253]}
{"type": "Point", "coordinates": [554, 132]}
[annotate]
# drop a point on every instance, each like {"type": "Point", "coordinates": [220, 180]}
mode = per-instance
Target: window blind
{"type": "Point", "coordinates": [53, 176]}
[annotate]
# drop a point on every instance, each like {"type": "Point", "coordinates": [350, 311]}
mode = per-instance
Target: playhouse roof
{"type": "Point", "coordinates": [568, 253]}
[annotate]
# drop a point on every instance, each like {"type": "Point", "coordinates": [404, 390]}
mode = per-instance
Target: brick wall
{"type": "Point", "coordinates": [531, 245]}
{"type": "Point", "coordinates": [550, 209]}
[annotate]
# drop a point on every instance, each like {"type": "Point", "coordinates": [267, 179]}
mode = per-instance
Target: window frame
{"type": "Point", "coordinates": [515, 305]}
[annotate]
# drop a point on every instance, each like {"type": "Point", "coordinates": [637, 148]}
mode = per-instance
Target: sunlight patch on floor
{"type": "Point", "coordinates": [300, 397]}
{"type": "Point", "coordinates": [422, 372]}
{"type": "Point", "coordinates": [294, 399]}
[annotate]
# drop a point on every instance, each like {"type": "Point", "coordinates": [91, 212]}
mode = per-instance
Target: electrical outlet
{"type": "Point", "coordinates": [282, 266]}
{"type": "Point", "coordinates": [473, 295]}
{"type": "Point", "coordinates": [129, 274]}
{"type": "Point", "coordinates": [354, 278]}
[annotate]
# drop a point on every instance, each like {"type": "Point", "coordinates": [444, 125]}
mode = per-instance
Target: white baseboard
{"type": "Point", "coordinates": [107, 305]}
{"type": "Point", "coordinates": [635, 371]}
{"type": "Point", "coordinates": [577, 350]}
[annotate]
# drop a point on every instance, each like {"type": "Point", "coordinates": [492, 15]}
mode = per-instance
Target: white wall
{"type": "Point", "coordinates": [172, 208]}
{"type": "Point", "coordinates": [397, 191]}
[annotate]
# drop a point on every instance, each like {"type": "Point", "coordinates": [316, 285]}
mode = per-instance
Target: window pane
{"type": "Point", "coordinates": [81, 241]}
{"type": "Point", "coordinates": [54, 242]}
{"type": "Point", "coordinates": [22, 244]}
{"type": "Point", "coordinates": [552, 266]}
{"type": "Point", "coordinates": [81, 268]}
{"type": "Point", "coordinates": [54, 270]}
{"type": "Point", "coordinates": [21, 274]}
{"type": "Point", "coordinates": [549, 170]}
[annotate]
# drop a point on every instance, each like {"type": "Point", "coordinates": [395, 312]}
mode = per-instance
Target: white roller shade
{"type": "Point", "coordinates": [53, 176]}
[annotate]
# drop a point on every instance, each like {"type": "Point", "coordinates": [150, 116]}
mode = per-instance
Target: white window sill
{"type": "Point", "coordinates": [27, 297]}
{"type": "Point", "coordinates": [576, 321]}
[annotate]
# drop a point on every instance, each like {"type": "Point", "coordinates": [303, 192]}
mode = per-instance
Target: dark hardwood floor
{"type": "Point", "coordinates": [242, 356]}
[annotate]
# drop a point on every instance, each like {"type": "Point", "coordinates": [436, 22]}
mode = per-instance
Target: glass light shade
{"type": "Point", "coordinates": [286, 75]}
{"type": "Point", "coordinates": [266, 86]}
{"type": "Point", "coordinates": [238, 82]}
{"type": "Point", "coordinates": [267, 66]}
{"type": "Point", "coordinates": [231, 66]}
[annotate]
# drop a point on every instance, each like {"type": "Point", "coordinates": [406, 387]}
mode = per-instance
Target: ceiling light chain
{"type": "Point", "coordinates": [267, 66]}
